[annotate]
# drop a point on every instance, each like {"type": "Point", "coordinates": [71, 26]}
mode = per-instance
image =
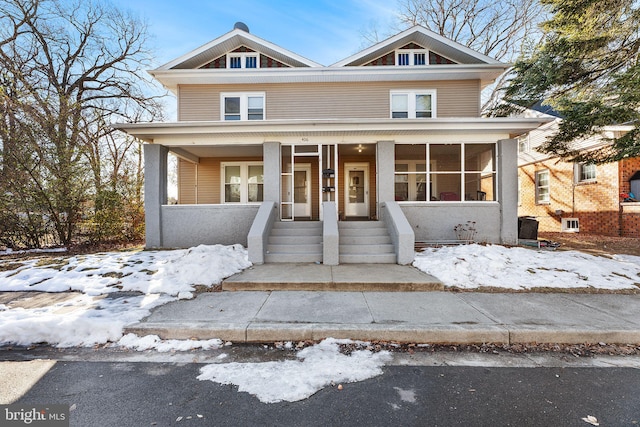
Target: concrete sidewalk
{"type": "Point", "coordinates": [419, 317]}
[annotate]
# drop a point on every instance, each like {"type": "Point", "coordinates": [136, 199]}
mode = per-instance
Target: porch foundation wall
{"type": "Point", "coordinates": [184, 226]}
{"type": "Point", "coordinates": [435, 223]}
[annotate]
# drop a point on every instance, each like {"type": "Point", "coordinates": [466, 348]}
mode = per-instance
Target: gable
{"type": "Point", "coordinates": [264, 60]}
{"type": "Point", "coordinates": [211, 54]}
{"type": "Point", "coordinates": [390, 57]}
{"type": "Point", "coordinates": [441, 50]}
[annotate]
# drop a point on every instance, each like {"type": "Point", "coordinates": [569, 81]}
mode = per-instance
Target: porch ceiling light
{"type": "Point", "coordinates": [359, 148]}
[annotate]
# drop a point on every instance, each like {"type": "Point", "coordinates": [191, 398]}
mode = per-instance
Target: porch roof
{"type": "Point", "coordinates": [273, 129]}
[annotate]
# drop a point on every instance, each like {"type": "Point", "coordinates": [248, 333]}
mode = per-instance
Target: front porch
{"type": "Point", "coordinates": [337, 173]}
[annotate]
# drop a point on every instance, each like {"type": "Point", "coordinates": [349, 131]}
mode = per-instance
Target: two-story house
{"type": "Point", "coordinates": [383, 148]}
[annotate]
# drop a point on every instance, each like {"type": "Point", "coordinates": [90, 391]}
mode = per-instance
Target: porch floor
{"type": "Point", "coordinates": [344, 277]}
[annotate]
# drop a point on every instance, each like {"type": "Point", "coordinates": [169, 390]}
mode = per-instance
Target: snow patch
{"type": "Point", "coordinates": [474, 266]}
{"type": "Point", "coordinates": [317, 367]}
{"type": "Point", "coordinates": [153, 342]}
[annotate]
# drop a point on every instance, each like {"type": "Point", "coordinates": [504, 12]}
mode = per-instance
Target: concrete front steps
{"type": "Point", "coordinates": [341, 278]}
{"type": "Point", "coordinates": [295, 241]}
{"type": "Point", "coordinates": [365, 242]}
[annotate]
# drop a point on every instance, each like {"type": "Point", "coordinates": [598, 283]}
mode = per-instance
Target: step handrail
{"type": "Point", "coordinates": [330, 234]}
{"type": "Point", "coordinates": [402, 234]}
{"type": "Point", "coordinates": [258, 236]}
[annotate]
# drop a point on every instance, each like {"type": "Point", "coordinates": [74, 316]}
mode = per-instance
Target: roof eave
{"type": "Point", "coordinates": [273, 128]}
{"type": "Point", "coordinates": [486, 73]}
{"type": "Point", "coordinates": [243, 38]}
{"type": "Point", "coordinates": [399, 39]}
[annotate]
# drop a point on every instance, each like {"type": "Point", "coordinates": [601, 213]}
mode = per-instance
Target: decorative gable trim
{"type": "Point", "coordinates": [448, 51]}
{"type": "Point", "coordinates": [237, 38]}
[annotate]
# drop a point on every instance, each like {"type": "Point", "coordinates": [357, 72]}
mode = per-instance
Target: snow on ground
{"type": "Point", "coordinates": [477, 266]}
{"type": "Point", "coordinates": [167, 272]}
{"type": "Point", "coordinates": [291, 380]}
{"type": "Point", "coordinates": [97, 314]}
{"type": "Point", "coordinates": [153, 342]}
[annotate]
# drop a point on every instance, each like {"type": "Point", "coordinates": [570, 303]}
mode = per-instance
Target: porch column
{"type": "Point", "coordinates": [508, 190]}
{"type": "Point", "coordinates": [271, 162]}
{"type": "Point", "coordinates": [385, 169]}
{"type": "Point", "coordinates": [155, 192]}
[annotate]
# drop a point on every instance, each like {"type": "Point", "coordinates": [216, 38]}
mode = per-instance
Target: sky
{"type": "Point", "coordinates": [324, 31]}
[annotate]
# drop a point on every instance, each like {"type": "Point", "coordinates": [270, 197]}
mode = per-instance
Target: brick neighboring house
{"type": "Point", "coordinates": [577, 197]}
{"type": "Point", "coordinates": [345, 163]}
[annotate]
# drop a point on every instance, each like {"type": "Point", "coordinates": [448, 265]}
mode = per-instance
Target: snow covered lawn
{"type": "Point", "coordinates": [96, 314]}
{"type": "Point", "coordinates": [93, 316]}
{"type": "Point", "coordinates": [477, 266]}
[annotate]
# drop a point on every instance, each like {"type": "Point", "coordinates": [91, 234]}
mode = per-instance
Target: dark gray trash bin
{"type": "Point", "coordinates": [527, 228]}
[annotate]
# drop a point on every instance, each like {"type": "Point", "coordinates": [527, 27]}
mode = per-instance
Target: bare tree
{"type": "Point", "coordinates": [68, 67]}
{"type": "Point", "coordinates": [499, 29]}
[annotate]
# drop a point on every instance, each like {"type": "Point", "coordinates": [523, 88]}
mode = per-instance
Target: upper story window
{"type": "Point", "coordinates": [242, 106]}
{"type": "Point", "coordinates": [408, 57]}
{"type": "Point", "coordinates": [585, 172]}
{"type": "Point", "coordinates": [542, 187]}
{"type": "Point", "coordinates": [413, 104]}
{"type": "Point", "coordinates": [243, 60]}
{"type": "Point", "coordinates": [524, 145]}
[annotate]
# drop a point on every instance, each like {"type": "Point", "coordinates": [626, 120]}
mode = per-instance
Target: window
{"type": "Point", "coordinates": [445, 172]}
{"type": "Point", "coordinates": [585, 172]}
{"type": "Point", "coordinates": [523, 144]}
{"type": "Point", "coordinates": [408, 57]}
{"type": "Point", "coordinates": [413, 104]}
{"type": "Point", "coordinates": [242, 182]}
{"type": "Point", "coordinates": [243, 60]}
{"type": "Point", "coordinates": [570, 225]}
{"type": "Point", "coordinates": [542, 187]}
{"type": "Point", "coordinates": [242, 106]}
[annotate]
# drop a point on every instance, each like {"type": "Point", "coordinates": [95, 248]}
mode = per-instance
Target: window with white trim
{"type": "Point", "coordinates": [542, 187]}
{"type": "Point", "coordinates": [242, 106]}
{"type": "Point", "coordinates": [585, 172]}
{"type": "Point", "coordinates": [243, 60]}
{"type": "Point", "coordinates": [445, 172]}
{"type": "Point", "coordinates": [242, 182]}
{"type": "Point", "coordinates": [524, 145]}
{"type": "Point", "coordinates": [414, 104]}
{"type": "Point", "coordinates": [409, 57]}
{"type": "Point", "coordinates": [570, 225]}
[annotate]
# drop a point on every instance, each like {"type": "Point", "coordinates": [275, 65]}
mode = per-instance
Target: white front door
{"type": "Point", "coordinates": [302, 190]}
{"type": "Point", "coordinates": [356, 189]}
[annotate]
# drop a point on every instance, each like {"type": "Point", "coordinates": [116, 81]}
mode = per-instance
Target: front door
{"type": "Point", "coordinates": [356, 189]}
{"type": "Point", "coordinates": [302, 190]}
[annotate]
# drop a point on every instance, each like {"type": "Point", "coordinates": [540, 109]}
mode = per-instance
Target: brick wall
{"type": "Point", "coordinates": [629, 212]}
{"type": "Point", "coordinates": [595, 204]}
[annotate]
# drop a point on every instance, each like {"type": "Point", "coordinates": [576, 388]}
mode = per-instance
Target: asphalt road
{"type": "Point", "coordinates": [126, 393]}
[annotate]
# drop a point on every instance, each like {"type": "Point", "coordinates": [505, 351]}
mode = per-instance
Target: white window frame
{"type": "Point", "coordinates": [412, 54]}
{"type": "Point", "coordinates": [570, 225]}
{"type": "Point", "coordinates": [578, 173]}
{"type": "Point", "coordinates": [548, 186]}
{"type": "Point", "coordinates": [244, 104]}
{"type": "Point", "coordinates": [244, 181]}
{"type": "Point", "coordinates": [432, 174]}
{"type": "Point", "coordinates": [524, 143]}
{"type": "Point", "coordinates": [411, 101]}
{"type": "Point", "coordinates": [243, 59]}
{"type": "Point", "coordinates": [412, 178]}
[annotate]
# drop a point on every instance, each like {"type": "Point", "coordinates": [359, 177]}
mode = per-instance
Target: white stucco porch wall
{"type": "Point", "coordinates": [437, 222]}
{"type": "Point", "coordinates": [184, 226]}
